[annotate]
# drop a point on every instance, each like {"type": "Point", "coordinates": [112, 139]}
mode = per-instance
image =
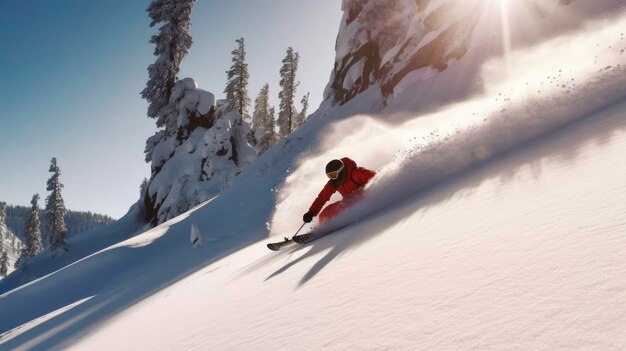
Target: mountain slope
{"type": "Point", "coordinates": [523, 252]}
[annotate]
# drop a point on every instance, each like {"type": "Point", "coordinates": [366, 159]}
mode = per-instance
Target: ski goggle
{"type": "Point", "coordinates": [335, 174]}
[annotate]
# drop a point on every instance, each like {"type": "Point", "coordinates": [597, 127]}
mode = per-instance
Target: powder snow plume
{"type": "Point", "coordinates": [410, 153]}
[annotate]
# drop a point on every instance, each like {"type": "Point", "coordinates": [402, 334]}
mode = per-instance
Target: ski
{"type": "Point", "coordinates": [298, 239]}
{"type": "Point", "coordinates": [277, 246]}
{"type": "Point", "coordinates": [305, 238]}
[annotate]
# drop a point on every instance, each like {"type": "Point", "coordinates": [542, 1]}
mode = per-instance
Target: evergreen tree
{"type": "Point", "coordinates": [288, 84]}
{"type": "Point", "coordinates": [271, 127]}
{"type": "Point", "coordinates": [302, 115]}
{"type": "Point", "coordinates": [237, 85]}
{"type": "Point", "coordinates": [143, 188]}
{"type": "Point", "coordinates": [261, 108]}
{"type": "Point", "coordinates": [4, 264]}
{"type": "Point", "coordinates": [5, 234]}
{"type": "Point", "coordinates": [171, 45]}
{"type": "Point", "coordinates": [55, 209]}
{"type": "Point", "coordinates": [3, 224]}
{"type": "Point", "coordinates": [32, 229]}
{"type": "Point", "coordinates": [263, 120]}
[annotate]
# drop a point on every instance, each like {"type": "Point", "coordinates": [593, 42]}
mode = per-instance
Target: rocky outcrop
{"type": "Point", "coordinates": [382, 41]}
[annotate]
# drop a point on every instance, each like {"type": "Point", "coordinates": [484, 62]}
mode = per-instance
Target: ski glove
{"type": "Point", "coordinates": [308, 217]}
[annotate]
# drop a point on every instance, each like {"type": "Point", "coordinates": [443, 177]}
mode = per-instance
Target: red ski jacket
{"type": "Point", "coordinates": [354, 181]}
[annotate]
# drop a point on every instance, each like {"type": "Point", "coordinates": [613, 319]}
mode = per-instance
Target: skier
{"type": "Point", "coordinates": [345, 177]}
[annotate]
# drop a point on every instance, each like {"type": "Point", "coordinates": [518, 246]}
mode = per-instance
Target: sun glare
{"type": "Point", "coordinates": [506, 32]}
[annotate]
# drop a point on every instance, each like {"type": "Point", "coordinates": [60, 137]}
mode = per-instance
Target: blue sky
{"type": "Point", "coordinates": [71, 72]}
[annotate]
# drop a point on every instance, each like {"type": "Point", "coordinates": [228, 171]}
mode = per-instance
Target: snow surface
{"type": "Point", "coordinates": [525, 252]}
{"type": "Point", "coordinates": [495, 223]}
{"type": "Point", "coordinates": [81, 246]}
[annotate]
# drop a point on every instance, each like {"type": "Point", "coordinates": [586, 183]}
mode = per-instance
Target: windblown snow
{"type": "Point", "coordinates": [496, 222]}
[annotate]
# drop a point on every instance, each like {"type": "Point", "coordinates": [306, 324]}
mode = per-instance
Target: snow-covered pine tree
{"type": "Point", "coordinates": [4, 264]}
{"type": "Point", "coordinates": [261, 108]}
{"type": "Point", "coordinates": [237, 85]}
{"type": "Point", "coordinates": [288, 84]}
{"type": "Point", "coordinates": [271, 127]}
{"type": "Point", "coordinates": [4, 230]}
{"type": "Point", "coordinates": [32, 229]}
{"type": "Point", "coordinates": [171, 45]}
{"type": "Point", "coordinates": [263, 120]}
{"type": "Point", "coordinates": [55, 209]}
{"type": "Point", "coordinates": [302, 115]}
{"type": "Point", "coordinates": [3, 224]}
{"type": "Point", "coordinates": [213, 145]}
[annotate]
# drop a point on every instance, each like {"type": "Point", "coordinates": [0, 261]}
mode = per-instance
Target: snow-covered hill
{"type": "Point", "coordinates": [496, 222]}
{"type": "Point", "coordinates": [523, 253]}
{"type": "Point", "coordinates": [77, 222]}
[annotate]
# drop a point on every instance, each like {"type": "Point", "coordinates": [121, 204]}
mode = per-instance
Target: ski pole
{"type": "Point", "coordinates": [299, 229]}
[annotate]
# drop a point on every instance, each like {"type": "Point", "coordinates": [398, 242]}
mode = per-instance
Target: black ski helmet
{"type": "Point", "coordinates": [336, 166]}
{"type": "Point", "coordinates": [333, 166]}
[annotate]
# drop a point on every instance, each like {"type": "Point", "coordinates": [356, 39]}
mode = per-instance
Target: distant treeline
{"type": "Point", "coordinates": [76, 221]}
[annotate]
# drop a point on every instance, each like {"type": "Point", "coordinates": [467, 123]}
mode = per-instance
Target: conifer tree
{"type": "Point", "coordinates": [3, 226]}
{"type": "Point", "coordinates": [237, 85]}
{"type": "Point", "coordinates": [263, 120]}
{"type": "Point", "coordinates": [287, 94]}
{"type": "Point", "coordinates": [271, 127]}
{"type": "Point", "coordinates": [32, 229]}
{"type": "Point", "coordinates": [171, 46]}
{"type": "Point", "coordinates": [4, 264]}
{"type": "Point", "coordinates": [143, 189]}
{"type": "Point", "coordinates": [261, 108]}
{"type": "Point", "coordinates": [55, 209]}
{"type": "Point", "coordinates": [5, 234]}
{"type": "Point", "coordinates": [302, 115]}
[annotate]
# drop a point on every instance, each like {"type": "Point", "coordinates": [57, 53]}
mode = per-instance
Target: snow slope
{"type": "Point", "coordinates": [524, 252]}
{"type": "Point", "coordinates": [80, 246]}
{"type": "Point", "coordinates": [497, 223]}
